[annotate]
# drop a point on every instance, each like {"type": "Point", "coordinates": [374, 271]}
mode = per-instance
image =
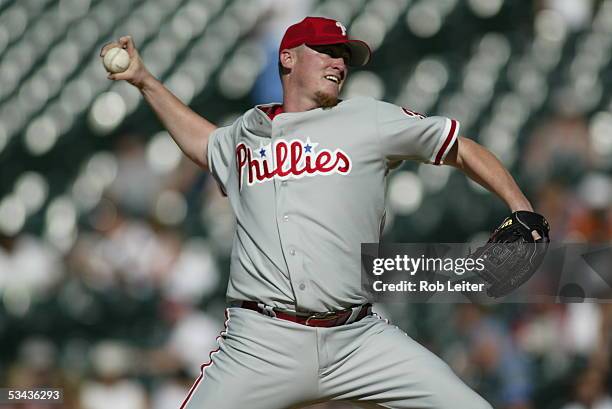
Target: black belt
{"type": "Point", "coordinates": [311, 319]}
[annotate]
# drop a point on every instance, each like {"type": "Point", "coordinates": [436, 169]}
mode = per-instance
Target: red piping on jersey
{"type": "Point", "coordinates": [448, 139]}
{"type": "Point", "coordinates": [206, 365]}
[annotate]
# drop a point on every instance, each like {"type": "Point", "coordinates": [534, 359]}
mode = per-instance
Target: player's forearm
{"type": "Point", "coordinates": [480, 165]}
{"type": "Point", "coordinates": [188, 129]}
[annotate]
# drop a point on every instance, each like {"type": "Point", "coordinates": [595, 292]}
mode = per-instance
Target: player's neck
{"type": "Point", "coordinates": [295, 101]}
{"type": "Point", "coordinates": [298, 106]}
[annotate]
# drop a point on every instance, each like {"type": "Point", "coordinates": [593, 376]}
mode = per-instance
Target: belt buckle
{"type": "Point", "coordinates": [327, 315]}
{"type": "Point", "coordinates": [267, 310]}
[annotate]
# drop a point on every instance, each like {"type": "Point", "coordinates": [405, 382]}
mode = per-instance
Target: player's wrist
{"type": "Point", "coordinates": [147, 83]}
{"type": "Point", "coordinates": [522, 207]}
{"type": "Point", "coordinates": [519, 203]}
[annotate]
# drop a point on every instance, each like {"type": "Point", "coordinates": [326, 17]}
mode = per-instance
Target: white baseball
{"type": "Point", "coordinates": [116, 60]}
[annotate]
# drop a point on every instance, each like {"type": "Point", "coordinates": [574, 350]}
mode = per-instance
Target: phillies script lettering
{"type": "Point", "coordinates": [288, 160]}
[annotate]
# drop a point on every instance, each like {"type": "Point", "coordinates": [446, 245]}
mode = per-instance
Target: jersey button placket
{"type": "Point", "coordinates": [288, 241]}
{"type": "Point", "coordinates": [289, 237]}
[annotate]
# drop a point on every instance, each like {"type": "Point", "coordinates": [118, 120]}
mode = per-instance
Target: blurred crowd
{"type": "Point", "coordinates": [124, 309]}
{"type": "Point", "coordinates": [126, 316]}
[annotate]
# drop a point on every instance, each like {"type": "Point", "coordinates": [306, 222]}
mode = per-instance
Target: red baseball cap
{"type": "Point", "coordinates": [325, 31]}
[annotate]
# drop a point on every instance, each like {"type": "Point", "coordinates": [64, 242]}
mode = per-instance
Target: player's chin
{"type": "Point", "coordinates": [327, 98]}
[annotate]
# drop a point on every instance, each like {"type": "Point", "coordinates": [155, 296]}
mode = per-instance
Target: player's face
{"type": "Point", "coordinates": [323, 70]}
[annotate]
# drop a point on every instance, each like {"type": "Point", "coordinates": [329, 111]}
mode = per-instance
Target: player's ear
{"type": "Point", "coordinates": [287, 59]}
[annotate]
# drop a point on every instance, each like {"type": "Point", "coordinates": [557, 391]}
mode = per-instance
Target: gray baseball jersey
{"type": "Point", "coordinates": [308, 188]}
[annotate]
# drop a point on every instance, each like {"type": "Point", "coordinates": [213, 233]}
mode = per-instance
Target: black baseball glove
{"type": "Point", "coordinates": [513, 253]}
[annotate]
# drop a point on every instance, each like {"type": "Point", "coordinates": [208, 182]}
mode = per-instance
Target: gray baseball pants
{"type": "Point", "coordinates": [269, 363]}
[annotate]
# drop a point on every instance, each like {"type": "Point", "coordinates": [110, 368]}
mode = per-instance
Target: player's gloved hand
{"type": "Point", "coordinates": [136, 73]}
{"type": "Point", "coordinates": [514, 252]}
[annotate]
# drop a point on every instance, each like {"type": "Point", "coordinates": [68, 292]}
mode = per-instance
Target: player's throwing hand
{"type": "Point", "coordinates": [136, 73]}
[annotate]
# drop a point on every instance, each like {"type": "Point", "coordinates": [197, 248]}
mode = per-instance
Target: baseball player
{"type": "Point", "coordinates": [306, 181]}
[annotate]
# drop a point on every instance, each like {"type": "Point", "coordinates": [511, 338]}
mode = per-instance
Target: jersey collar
{"type": "Point", "coordinates": [257, 121]}
{"type": "Point", "coordinates": [272, 110]}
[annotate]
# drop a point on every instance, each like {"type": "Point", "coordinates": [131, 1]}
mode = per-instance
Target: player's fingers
{"type": "Point", "coordinates": [536, 236]}
{"type": "Point", "coordinates": [119, 76]}
{"type": "Point", "coordinates": [107, 47]}
{"type": "Point", "coordinates": [128, 43]}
